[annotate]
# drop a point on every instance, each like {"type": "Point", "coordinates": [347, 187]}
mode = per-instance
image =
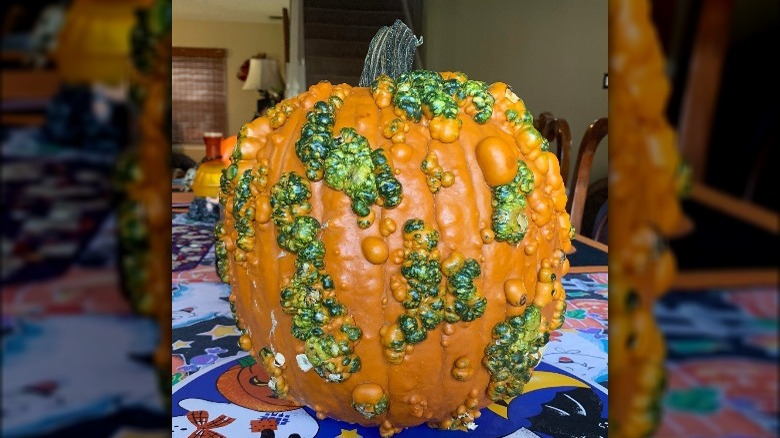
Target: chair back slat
{"type": "Point", "coordinates": [579, 192]}
{"type": "Point", "coordinates": [556, 131]}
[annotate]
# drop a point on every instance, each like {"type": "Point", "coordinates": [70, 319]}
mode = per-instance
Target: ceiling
{"type": "Point", "coordinates": [252, 11]}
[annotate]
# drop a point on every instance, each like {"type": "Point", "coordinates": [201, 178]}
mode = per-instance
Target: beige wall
{"type": "Point", "coordinates": [552, 52]}
{"type": "Point", "coordinates": [241, 40]}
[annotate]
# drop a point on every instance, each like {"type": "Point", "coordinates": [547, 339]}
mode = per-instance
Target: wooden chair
{"type": "Point", "coordinates": [556, 131]}
{"type": "Point", "coordinates": [705, 69]}
{"type": "Point", "coordinates": [749, 219]}
{"type": "Point", "coordinates": [579, 191]}
{"type": "Point", "coordinates": [699, 104]}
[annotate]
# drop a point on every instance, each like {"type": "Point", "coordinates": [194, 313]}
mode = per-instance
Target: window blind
{"type": "Point", "coordinates": [198, 93]}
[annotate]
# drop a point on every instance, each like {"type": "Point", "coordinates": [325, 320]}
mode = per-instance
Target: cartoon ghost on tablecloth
{"type": "Point", "coordinates": [230, 420]}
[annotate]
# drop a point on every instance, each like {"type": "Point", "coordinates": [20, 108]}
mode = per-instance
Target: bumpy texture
{"type": "Point", "coordinates": [395, 251]}
{"type": "Point", "coordinates": [143, 213]}
{"type": "Point", "coordinates": [647, 179]}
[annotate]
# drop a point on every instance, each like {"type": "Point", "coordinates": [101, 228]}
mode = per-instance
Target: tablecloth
{"type": "Point", "coordinates": [721, 365]}
{"type": "Point", "coordinates": [566, 397]}
{"type": "Point", "coordinates": [722, 375]}
{"type": "Point", "coordinates": [76, 361]}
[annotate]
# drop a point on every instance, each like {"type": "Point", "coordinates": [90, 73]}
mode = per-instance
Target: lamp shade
{"type": "Point", "coordinates": [263, 75]}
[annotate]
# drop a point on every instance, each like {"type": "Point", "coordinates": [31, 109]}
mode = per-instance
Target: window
{"type": "Point", "coordinates": [198, 93]}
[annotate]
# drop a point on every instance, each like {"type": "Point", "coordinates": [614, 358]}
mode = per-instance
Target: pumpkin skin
{"type": "Point", "coordinates": [647, 179]}
{"type": "Point", "coordinates": [142, 186]}
{"type": "Point", "coordinates": [399, 366]}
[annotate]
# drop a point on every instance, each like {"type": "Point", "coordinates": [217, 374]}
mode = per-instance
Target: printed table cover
{"type": "Point", "coordinates": [722, 368]}
{"type": "Point", "coordinates": [567, 395]}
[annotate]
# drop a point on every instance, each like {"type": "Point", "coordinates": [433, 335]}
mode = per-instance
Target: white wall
{"type": "Point", "coordinates": [552, 52]}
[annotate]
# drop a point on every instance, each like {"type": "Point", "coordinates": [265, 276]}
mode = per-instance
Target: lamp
{"type": "Point", "coordinates": [264, 77]}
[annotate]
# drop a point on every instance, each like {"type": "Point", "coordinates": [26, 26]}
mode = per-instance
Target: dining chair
{"type": "Point", "coordinates": [593, 136]}
{"type": "Point", "coordinates": [745, 256]}
{"type": "Point", "coordinates": [704, 77]}
{"type": "Point", "coordinates": [557, 133]}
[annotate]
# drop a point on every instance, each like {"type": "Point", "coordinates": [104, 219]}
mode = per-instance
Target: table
{"type": "Point", "coordinates": [720, 321]}
{"type": "Point", "coordinates": [76, 360]}
{"type": "Point", "coordinates": [206, 360]}
{"type": "Point", "coordinates": [721, 362]}
{"type": "Point", "coordinates": [722, 349]}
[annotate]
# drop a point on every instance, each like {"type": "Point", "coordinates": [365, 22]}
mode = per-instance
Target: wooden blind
{"type": "Point", "coordinates": [198, 93]}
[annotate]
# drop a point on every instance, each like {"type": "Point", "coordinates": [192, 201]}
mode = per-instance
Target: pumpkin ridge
{"type": "Point", "coordinates": [310, 294]}
{"type": "Point", "coordinates": [451, 355]}
{"type": "Point", "coordinates": [278, 157]}
{"type": "Point", "coordinates": [252, 182]}
{"type": "Point", "coordinates": [355, 114]}
{"type": "Point", "coordinates": [480, 279]}
{"type": "Point", "coordinates": [240, 212]}
{"type": "Point", "coordinates": [482, 198]}
{"type": "Point", "coordinates": [387, 264]}
{"type": "Point", "coordinates": [273, 275]}
{"type": "Point", "coordinates": [418, 393]}
{"type": "Point", "coordinates": [439, 227]}
{"type": "Point", "coordinates": [280, 154]}
{"type": "Point", "coordinates": [336, 219]}
{"type": "Point", "coordinates": [390, 268]}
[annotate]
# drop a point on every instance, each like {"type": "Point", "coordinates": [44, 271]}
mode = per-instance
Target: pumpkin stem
{"type": "Point", "coordinates": [391, 53]}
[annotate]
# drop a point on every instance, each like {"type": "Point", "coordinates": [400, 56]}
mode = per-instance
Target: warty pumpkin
{"type": "Point", "coordinates": [395, 252]}
{"type": "Point", "coordinates": [143, 216]}
{"type": "Point", "coordinates": [647, 179]}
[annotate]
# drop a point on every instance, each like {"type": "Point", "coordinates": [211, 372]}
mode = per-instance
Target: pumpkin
{"type": "Point", "coordinates": [395, 252]}
{"type": "Point", "coordinates": [143, 214]}
{"type": "Point", "coordinates": [226, 147]}
{"type": "Point", "coordinates": [647, 179]}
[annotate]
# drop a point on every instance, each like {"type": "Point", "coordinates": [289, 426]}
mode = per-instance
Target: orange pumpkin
{"type": "Point", "coordinates": [143, 208]}
{"type": "Point", "coordinates": [226, 147]}
{"type": "Point", "coordinates": [396, 251]}
{"type": "Point", "coordinates": [647, 177]}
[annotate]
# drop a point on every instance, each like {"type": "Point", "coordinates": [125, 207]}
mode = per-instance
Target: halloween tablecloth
{"type": "Point", "coordinates": [566, 397]}
{"type": "Point", "coordinates": [76, 362]}
{"type": "Point", "coordinates": [722, 375]}
{"type": "Point", "coordinates": [51, 209]}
